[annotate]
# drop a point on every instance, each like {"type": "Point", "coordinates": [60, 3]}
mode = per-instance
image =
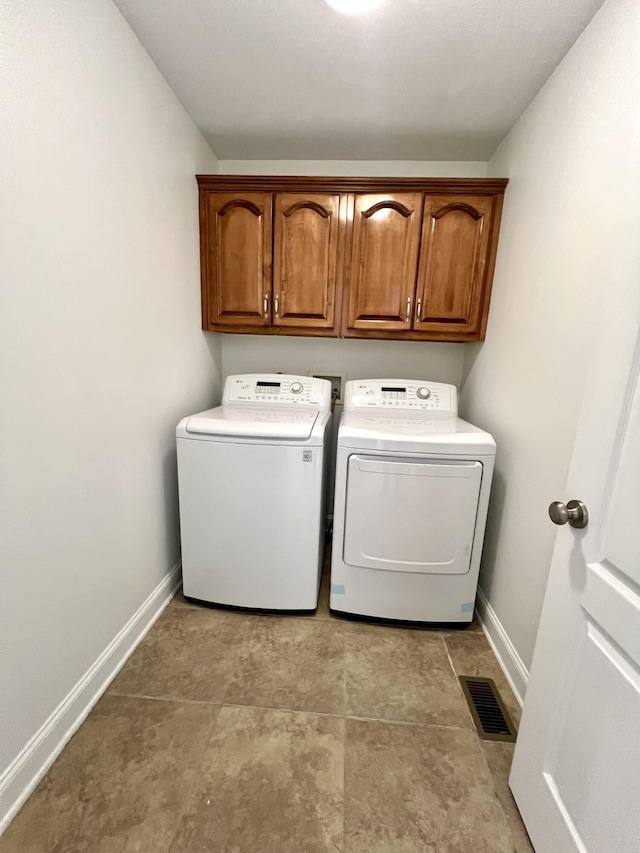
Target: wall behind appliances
{"type": "Point", "coordinates": [102, 355]}
{"type": "Point", "coordinates": [565, 159]}
{"type": "Point", "coordinates": [359, 359]}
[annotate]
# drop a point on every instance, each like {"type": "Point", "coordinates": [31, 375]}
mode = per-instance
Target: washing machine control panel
{"type": "Point", "coordinates": [276, 388]}
{"type": "Point", "coordinates": [401, 396]}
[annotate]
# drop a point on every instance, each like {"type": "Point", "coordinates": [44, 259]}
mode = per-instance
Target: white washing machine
{"type": "Point", "coordinates": [251, 476]}
{"type": "Point", "coordinates": [411, 498]}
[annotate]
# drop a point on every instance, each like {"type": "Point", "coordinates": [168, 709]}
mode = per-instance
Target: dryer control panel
{"type": "Point", "coordinates": [273, 389]}
{"type": "Point", "coordinates": [401, 396]}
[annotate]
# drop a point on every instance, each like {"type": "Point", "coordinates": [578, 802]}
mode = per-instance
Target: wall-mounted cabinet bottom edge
{"type": "Point", "coordinates": [426, 337]}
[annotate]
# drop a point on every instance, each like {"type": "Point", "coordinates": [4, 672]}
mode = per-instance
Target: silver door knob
{"type": "Point", "coordinates": [574, 512]}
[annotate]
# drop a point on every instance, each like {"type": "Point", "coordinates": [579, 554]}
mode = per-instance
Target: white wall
{"type": "Point", "coordinates": [357, 358]}
{"type": "Point", "coordinates": [565, 158]}
{"type": "Point", "coordinates": [366, 168]}
{"type": "Point", "coordinates": [102, 352]}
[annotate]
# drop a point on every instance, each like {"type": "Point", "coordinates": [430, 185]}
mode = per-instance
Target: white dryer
{"type": "Point", "coordinates": [411, 497]}
{"type": "Point", "coordinates": [251, 476]}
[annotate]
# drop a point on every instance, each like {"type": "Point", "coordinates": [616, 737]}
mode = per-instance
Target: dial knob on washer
{"type": "Point", "coordinates": [296, 387]}
{"type": "Point", "coordinates": [423, 393]}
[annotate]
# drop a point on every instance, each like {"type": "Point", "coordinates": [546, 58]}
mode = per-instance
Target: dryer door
{"type": "Point", "coordinates": [411, 515]}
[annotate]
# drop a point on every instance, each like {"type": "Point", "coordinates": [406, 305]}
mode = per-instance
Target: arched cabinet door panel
{"type": "Point", "coordinates": [454, 251]}
{"type": "Point", "coordinates": [384, 258]}
{"type": "Point", "coordinates": [238, 258]}
{"type": "Point", "coordinates": [305, 259]}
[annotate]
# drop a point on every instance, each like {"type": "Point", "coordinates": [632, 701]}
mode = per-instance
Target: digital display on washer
{"type": "Point", "coordinates": [396, 390]}
{"type": "Point", "coordinates": [271, 387]}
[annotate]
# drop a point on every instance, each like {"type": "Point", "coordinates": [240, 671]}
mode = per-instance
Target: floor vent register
{"type": "Point", "coordinates": [488, 710]}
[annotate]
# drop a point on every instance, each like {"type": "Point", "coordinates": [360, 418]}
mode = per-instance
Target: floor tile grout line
{"type": "Point", "coordinates": [173, 699]}
{"type": "Point", "coordinates": [457, 680]}
{"type": "Point", "coordinates": [358, 718]}
{"type": "Point", "coordinates": [407, 723]}
{"type": "Point", "coordinates": [448, 654]}
{"type": "Point", "coordinates": [284, 710]}
{"type": "Point", "coordinates": [345, 716]}
{"type": "Point", "coordinates": [504, 688]}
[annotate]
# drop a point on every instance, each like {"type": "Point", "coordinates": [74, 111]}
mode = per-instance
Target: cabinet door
{"type": "Point", "coordinates": [454, 257]}
{"type": "Point", "coordinates": [305, 259]}
{"type": "Point", "coordinates": [384, 259]}
{"type": "Point", "coordinates": [238, 256]}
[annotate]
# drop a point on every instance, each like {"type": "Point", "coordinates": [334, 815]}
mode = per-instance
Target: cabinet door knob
{"type": "Point", "coordinates": [408, 317]}
{"type": "Point", "coordinates": [418, 310]}
{"type": "Point", "coordinates": [276, 303]}
{"type": "Point", "coordinates": [266, 306]}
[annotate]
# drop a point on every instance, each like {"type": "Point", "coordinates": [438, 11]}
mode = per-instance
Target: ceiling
{"type": "Point", "coordinates": [412, 80]}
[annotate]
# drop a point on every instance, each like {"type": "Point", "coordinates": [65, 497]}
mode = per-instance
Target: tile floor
{"type": "Point", "coordinates": [252, 734]}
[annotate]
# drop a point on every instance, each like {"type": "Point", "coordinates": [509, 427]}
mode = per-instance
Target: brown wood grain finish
{"type": "Point", "coordinates": [205, 278]}
{"type": "Point", "coordinates": [384, 255]}
{"type": "Point", "coordinates": [386, 258]}
{"type": "Point", "coordinates": [305, 259]}
{"type": "Point", "coordinates": [239, 258]}
{"type": "Point", "coordinates": [455, 237]}
{"type": "Point", "coordinates": [312, 184]}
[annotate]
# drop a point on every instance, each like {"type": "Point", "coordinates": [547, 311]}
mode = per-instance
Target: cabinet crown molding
{"type": "Point", "coordinates": [302, 183]}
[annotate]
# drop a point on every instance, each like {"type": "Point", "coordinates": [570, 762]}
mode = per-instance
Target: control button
{"type": "Point", "coordinates": [423, 393]}
{"type": "Point", "coordinates": [296, 388]}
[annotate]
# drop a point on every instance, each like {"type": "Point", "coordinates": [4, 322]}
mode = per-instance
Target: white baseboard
{"type": "Point", "coordinates": [510, 661]}
{"type": "Point", "coordinates": [27, 769]}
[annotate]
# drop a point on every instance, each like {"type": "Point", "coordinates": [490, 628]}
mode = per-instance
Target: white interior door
{"type": "Point", "coordinates": [576, 770]}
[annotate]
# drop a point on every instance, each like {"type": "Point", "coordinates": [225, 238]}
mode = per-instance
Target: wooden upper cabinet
{"type": "Point", "coordinates": [454, 253]}
{"type": "Point", "coordinates": [305, 259]}
{"type": "Point", "coordinates": [388, 258]}
{"type": "Point", "coordinates": [384, 260]}
{"type": "Point", "coordinates": [237, 259]}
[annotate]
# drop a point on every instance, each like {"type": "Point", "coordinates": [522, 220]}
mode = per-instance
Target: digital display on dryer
{"type": "Point", "coordinates": [395, 390]}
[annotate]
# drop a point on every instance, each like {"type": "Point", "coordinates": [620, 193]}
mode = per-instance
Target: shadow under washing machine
{"type": "Point", "coordinates": [411, 498]}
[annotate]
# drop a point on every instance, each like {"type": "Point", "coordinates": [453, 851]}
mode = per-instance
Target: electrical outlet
{"type": "Point", "coordinates": [337, 381]}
